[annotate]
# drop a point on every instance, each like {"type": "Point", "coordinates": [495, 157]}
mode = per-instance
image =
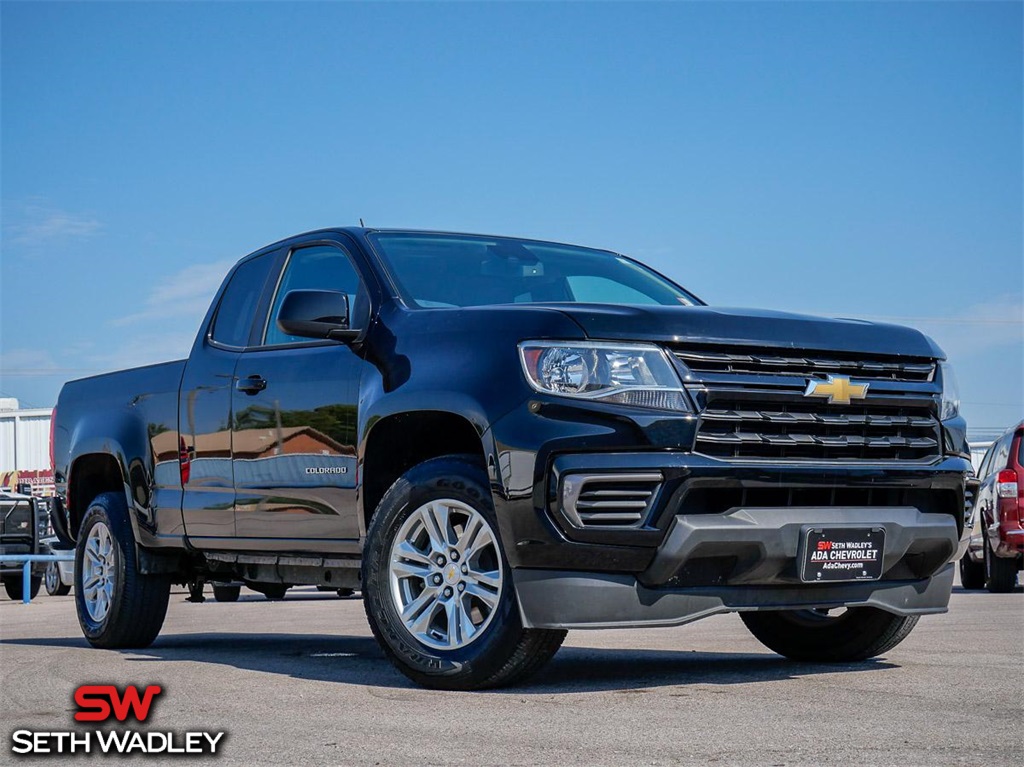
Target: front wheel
{"type": "Point", "coordinates": [816, 636]}
{"type": "Point", "coordinates": [55, 587]}
{"type": "Point", "coordinates": [438, 587]}
{"type": "Point", "coordinates": [118, 606]}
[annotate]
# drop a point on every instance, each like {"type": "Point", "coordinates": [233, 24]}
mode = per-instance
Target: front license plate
{"type": "Point", "coordinates": [842, 554]}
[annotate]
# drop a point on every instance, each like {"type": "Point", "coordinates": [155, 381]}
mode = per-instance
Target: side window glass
{"type": "Point", "coordinates": [320, 267]}
{"type": "Point", "coordinates": [237, 308]}
{"type": "Point", "coordinates": [983, 468]}
{"type": "Point", "coordinates": [1002, 457]}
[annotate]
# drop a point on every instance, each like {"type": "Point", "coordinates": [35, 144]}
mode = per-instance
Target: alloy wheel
{"type": "Point", "coordinates": [99, 571]}
{"type": "Point", "coordinates": [446, 574]}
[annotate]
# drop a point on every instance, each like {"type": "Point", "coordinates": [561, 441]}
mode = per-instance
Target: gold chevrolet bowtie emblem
{"type": "Point", "coordinates": [839, 390]}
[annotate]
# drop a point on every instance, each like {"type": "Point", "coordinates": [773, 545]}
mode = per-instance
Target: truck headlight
{"type": "Point", "coordinates": [623, 374]}
{"type": "Point", "coordinates": [950, 392]}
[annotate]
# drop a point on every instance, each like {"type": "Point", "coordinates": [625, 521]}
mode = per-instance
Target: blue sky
{"type": "Point", "coordinates": [847, 159]}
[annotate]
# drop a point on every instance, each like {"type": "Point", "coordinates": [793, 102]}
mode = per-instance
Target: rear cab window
{"type": "Point", "coordinates": [236, 312]}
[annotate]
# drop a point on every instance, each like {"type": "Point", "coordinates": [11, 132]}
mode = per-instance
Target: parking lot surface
{"type": "Point", "coordinates": [302, 681]}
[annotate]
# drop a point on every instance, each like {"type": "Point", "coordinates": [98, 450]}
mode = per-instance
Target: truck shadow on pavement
{"type": "Point", "coordinates": [358, 660]}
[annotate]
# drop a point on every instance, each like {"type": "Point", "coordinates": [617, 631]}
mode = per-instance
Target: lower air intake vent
{"type": "Point", "coordinates": [609, 500]}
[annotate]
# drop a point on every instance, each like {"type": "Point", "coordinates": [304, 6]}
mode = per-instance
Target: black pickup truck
{"type": "Point", "coordinates": [499, 439]}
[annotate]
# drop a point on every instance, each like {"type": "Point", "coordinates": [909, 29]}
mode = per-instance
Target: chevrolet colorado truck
{"type": "Point", "coordinates": [497, 440]}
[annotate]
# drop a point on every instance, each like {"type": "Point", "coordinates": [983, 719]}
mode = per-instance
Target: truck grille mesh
{"type": "Point", "coordinates": [807, 431]}
{"type": "Point", "coordinates": [810, 364]}
{"type": "Point", "coordinates": [754, 406]}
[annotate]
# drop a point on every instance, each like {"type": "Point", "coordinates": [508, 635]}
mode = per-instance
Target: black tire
{"type": "Point", "coordinates": [972, 574]}
{"type": "Point", "coordinates": [13, 586]}
{"type": "Point", "coordinates": [226, 592]}
{"type": "Point", "coordinates": [138, 602]}
{"type": "Point", "coordinates": [504, 652]}
{"type": "Point", "coordinates": [55, 587]}
{"type": "Point", "coordinates": [1000, 572]}
{"type": "Point", "coordinates": [272, 591]}
{"type": "Point", "coordinates": [807, 635]}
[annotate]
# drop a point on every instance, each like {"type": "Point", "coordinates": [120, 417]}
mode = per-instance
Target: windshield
{"type": "Point", "coordinates": [449, 270]}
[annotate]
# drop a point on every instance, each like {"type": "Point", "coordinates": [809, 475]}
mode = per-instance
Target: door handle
{"type": "Point", "coordinates": [252, 385]}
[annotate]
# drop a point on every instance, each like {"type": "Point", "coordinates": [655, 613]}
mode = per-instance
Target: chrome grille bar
{"type": "Point", "coordinates": [807, 364]}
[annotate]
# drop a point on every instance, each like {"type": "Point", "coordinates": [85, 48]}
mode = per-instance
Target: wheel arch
{"type": "Point", "coordinates": [109, 455]}
{"type": "Point", "coordinates": [398, 441]}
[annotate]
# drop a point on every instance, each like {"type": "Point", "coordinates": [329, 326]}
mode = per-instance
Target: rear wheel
{"type": "Point", "coordinates": [273, 591]}
{"type": "Point", "coordinates": [55, 587]}
{"type": "Point", "coordinates": [1000, 572]}
{"type": "Point", "coordinates": [226, 592]}
{"type": "Point", "coordinates": [14, 584]}
{"type": "Point", "coordinates": [117, 605]}
{"type": "Point", "coordinates": [816, 636]}
{"type": "Point", "coordinates": [972, 574]}
{"type": "Point", "coordinates": [438, 587]}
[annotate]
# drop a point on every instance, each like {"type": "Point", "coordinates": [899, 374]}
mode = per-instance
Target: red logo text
{"type": "Point", "coordinates": [98, 702]}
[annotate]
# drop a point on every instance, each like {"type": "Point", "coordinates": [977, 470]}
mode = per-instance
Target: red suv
{"type": "Point", "coordinates": [997, 549]}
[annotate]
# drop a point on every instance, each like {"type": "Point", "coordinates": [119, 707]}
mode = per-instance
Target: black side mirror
{"type": "Point", "coordinates": [316, 314]}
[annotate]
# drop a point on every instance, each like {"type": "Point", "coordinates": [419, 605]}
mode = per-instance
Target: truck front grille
{"type": "Point", "coordinates": [804, 430]}
{"type": "Point", "coordinates": [753, 405]}
{"type": "Point", "coordinates": [16, 519]}
{"type": "Point", "coordinates": [807, 364]}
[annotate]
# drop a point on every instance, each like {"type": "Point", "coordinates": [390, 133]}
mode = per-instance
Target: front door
{"type": "Point", "coordinates": [204, 407]}
{"type": "Point", "coordinates": [293, 441]}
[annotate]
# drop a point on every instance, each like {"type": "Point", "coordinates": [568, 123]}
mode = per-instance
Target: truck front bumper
{"type": "Point", "coordinates": [748, 559]}
{"type": "Point", "coordinates": [578, 600]}
{"type": "Point", "coordinates": [718, 536]}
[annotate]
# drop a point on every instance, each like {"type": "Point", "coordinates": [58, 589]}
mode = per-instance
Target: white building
{"type": "Point", "coordinates": [24, 446]}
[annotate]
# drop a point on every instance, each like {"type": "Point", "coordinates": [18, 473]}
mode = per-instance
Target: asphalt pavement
{"type": "Point", "coordinates": [302, 682]}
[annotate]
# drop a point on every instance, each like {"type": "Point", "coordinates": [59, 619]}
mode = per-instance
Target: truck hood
{"type": "Point", "coordinates": [747, 327]}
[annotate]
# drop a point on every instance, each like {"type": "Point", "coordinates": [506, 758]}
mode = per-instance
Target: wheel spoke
{"type": "Point", "coordinates": [420, 619]}
{"type": "Point", "coordinates": [467, 626]}
{"type": "Point", "coordinates": [415, 608]}
{"type": "Point", "coordinates": [405, 569]}
{"type": "Point", "coordinates": [481, 542]}
{"type": "Point", "coordinates": [485, 595]}
{"type": "Point", "coordinates": [437, 523]}
{"type": "Point", "coordinates": [406, 551]}
{"type": "Point", "coordinates": [491, 578]}
{"type": "Point", "coordinates": [90, 579]}
{"type": "Point", "coordinates": [469, 535]}
{"type": "Point", "coordinates": [454, 635]}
